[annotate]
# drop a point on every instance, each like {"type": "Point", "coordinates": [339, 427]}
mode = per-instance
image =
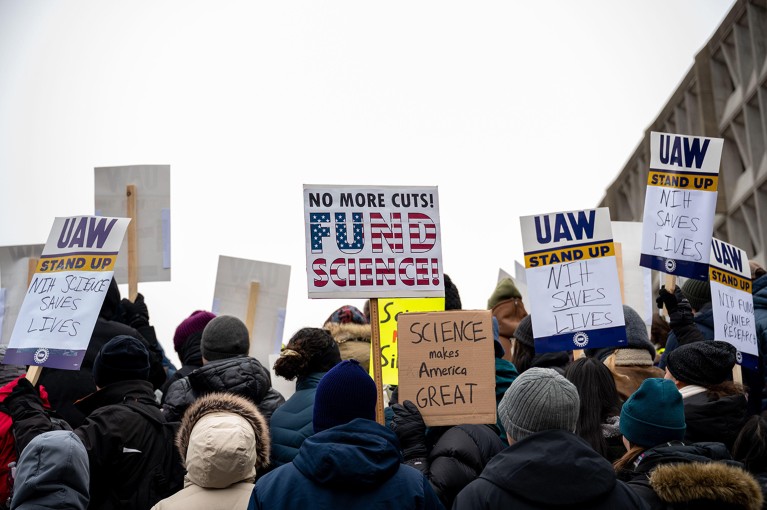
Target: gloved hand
{"type": "Point", "coordinates": [669, 300]}
{"type": "Point", "coordinates": [678, 306]}
{"type": "Point", "coordinates": [22, 395]}
{"type": "Point", "coordinates": [408, 424]}
{"type": "Point", "coordinates": [136, 314]}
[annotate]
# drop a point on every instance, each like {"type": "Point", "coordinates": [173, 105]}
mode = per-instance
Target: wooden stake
{"type": "Point", "coordinates": [250, 318]}
{"type": "Point", "coordinates": [130, 193]}
{"type": "Point", "coordinates": [578, 353]}
{"type": "Point", "coordinates": [31, 269]}
{"type": "Point", "coordinates": [619, 262]}
{"type": "Point", "coordinates": [375, 359]}
{"type": "Point", "coordinates": [737, 375]}
{"type": "Point", "coordinates": [34, 371]}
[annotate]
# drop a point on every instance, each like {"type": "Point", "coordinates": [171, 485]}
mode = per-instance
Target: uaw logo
{"type": "Point", "coordinates": [670, 265]}
{"type": "Point", "coordinates": [739, 357]}
{"type": "Point", "coordinates": [41, 355]}
{"type": "Point", "coordinates": [581, 339]}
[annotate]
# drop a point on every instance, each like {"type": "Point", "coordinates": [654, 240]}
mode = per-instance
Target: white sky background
{"type": "Point", "coordinates": [510, 108]}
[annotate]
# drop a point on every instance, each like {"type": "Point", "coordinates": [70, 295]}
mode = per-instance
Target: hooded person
{"type": "Point", "coordinates": [715, 407]}
{"type": "Point", "coordinates": [224, 443]}
{"type": "Point", "coordinates": [523, 354]}
{"type": "Point", "coordinates": [129, 452]}
{"type": "Point", "coordinates": [547, 465]}
{"type": "Point", "coordinates": [351, 462]}
{"type": "Point", "coordinates": [506, 306]}
{"type": "Point", "coordinates": [52, 472]}
{"type": "Point", "coordinates": [668, 473]}
{"type": "Point", "coordinates": [186, 343]}
{"type": "Point", "coordinates": [226, 367]}
{"type": "Point", "coordinates": [351, 330]}
{"type": "Point", "coordinates": [633, 363]}
{"type": "Point", "coordinates": [310, 353]}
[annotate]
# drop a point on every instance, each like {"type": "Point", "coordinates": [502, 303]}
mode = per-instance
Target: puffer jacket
{"type": "Point", "coordinates": [224, 443]}
{"type": "Point", "coordinates": [242, 375]}
{"type": "Point", "coordinates": [291, 423]}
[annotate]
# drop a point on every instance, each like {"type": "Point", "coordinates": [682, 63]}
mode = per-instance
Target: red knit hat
{"type": "Point", "coordinates": [195, 323]}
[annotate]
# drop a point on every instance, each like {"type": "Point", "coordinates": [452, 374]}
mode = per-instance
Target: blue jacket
{"type": "Point", "coordinates": [760, 312]}
{"type": "Point", "coordinates": [292, 421]}
{"type": "Point", "coordinates": [351, 466]}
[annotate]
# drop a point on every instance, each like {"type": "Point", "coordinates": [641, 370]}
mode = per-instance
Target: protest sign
{"type": "Point", "coordinates": [14, 281]}
{"type": "Point", "coordinates": [680, 203]}
{"type": "Point", "coordinates": [389, 310]}
{"type": "Point", "coordinates": [447, 366]}
{"type": "Point", "coordinates": [637, 280]}
{"type": "Point", "coordinates": [732, 301]}
{"type": "Point", "coordinates": [519, 279]}
{"type": "Point", "coordinates": [152, 188]}
{"type": "Point", "coordinates": [63, 300]}
{"type": "Point", "coordinates": [572, 277]}
{"type": "Point", "coordinates": [372, 242]}
{"type": "Point", "coordinates": [234, 293]}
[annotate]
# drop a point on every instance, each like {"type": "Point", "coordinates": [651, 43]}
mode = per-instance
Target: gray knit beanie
{"type": "Point", "coordinates": [524, 331]}
{"type": "Point", "coordinates": [539, 399]}
{"type": "Point", "coordinates": [224, 337]}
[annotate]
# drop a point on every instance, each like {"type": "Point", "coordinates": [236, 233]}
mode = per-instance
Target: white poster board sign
{"type": "Point", "coordinates": [152, 216]}
{"type": "Point", "coordinates": [572, 277]}
{"type": "Point", "coordinates": [372, 241]}
{"type": "Point", "coordinates": [63, 301]}
{"type": "Point", "coordinates": [732, 301]}
{"type": "Point", "coordinates": [680, 204]}
{"type": "Point", "coordinates": [637, 280]}
{"type": "Point", "coordinates": [14, 275]}
{"type": "Point", "coordinates": [232, 295]}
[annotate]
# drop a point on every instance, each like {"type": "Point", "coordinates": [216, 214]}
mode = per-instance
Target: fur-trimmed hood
{"type": "Point", "coordinates": [708, 485]}
{"type": "Point", "coordinates": [349, 332]}
{"type": "Point", "coordinates": [223, 439]}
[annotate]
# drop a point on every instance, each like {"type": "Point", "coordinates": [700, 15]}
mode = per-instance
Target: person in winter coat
{"type": "Point", "coordinates": [750, 449]}
{"type": "Point", "coordinates": [310, 353]}
{"type": "Point", "coordinates": [130, 455]}
{"type": "Point", "coordinates": [668, 473]}
{"type": "Point", "coordinates": [65, 387]}
{"type": "Point", "coordinates": [226, 367]}
{"type": "Point", "coordinates": [506, 306]}
{"type": "Point", "coordinates": [52, 472]}
{"type": "Point", "coordinates": [224, 443]}
{"type": "Point", "coordinates": [523, 354]}
{"type": "Point", "coordinates": [350, 328]}
{"type": "Point", "coordinates": [351, 462]}
{"type": "Point", "coordinates": [547, 465]}
{"type": "Point", "coordinates": [186, 343]}
{"type": "Point", "coordinates": [714, 406]}
{"type": "Point", "coordinates": [505, 374]}
{"type": "Point", "coordinates": [599, 415]}
{"type": "Point", "coordinates": [698, 295]}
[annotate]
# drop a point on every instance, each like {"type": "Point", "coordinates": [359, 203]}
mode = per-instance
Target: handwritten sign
{"type": "Point", "coordinates": [680, 203]}
{"type": "Point", "coordinates": [372, 242]}
{"type": "Point", "coordinates": [447, 366]}
{"type": "Point", "coordinates": [572, 278]}
{"type": "Point", "coordinates": [732, 301]}
{"type": "Point", "coordinates": [390, 310]}
{"type": "Point", "coordinates": [14, 280]}
{"type": "Point", "coordinates": [63, 300]}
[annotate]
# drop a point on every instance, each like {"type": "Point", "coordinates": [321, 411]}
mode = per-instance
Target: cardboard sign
{"type": "Point", "coordinates": [14, 278]}
{"type": "Point", "coordinates": [733, 302]}
{"type": "Point", "coordinates": [373, 242]}
{"type": "Point", "coordinates": [680, 204]}
{"type": "Point", "coordinates": [447, 366]}
{"type": "Point", "coordinates": [63, 300]}
{"type": "Point", "coordinates": [572, 277]}
{"type": "Point", "coordinates": [233, 295]}
{"type": "Point", "coordinates": [152, 215]}
{"type": "Point", "coordinates": [390, 309]}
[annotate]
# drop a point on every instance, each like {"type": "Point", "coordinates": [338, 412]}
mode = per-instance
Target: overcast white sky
{"type": "Point", "coordinates": [510, 108]}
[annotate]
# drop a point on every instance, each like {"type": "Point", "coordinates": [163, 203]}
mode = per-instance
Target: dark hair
{"type": "Point", "coordinates": [452, 297]}
{"type": "Point", "coordinates": [521, 355]}
{"type": "Point", "coordinates": [750, 446]}
{"type": "Point", "coordinates": [599, 399]}
{"type": "Point", "coordinates": [659, 330]}
{"type": "Point", "coordinates": [309, 350]}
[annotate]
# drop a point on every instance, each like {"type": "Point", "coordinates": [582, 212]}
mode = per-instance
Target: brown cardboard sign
{"type": "Point", "coordinates": [447, 366]}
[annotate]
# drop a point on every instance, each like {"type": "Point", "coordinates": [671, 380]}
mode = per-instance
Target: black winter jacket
{"type": "Point", "coordinates": [714, 420]}
{"type": "Point", "coordinates": [243, 375]}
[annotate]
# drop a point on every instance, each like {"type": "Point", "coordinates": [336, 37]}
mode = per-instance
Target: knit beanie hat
{"type": "Point", "coordinates": [704, 363]}
{"type": "Point", "coordinates": [195, 323]}
{"type": "Point", "coordinates": [123, 358]}
{"type": "Point", "coordinates": [653, 414]}
{"type": "Point", "coordinates": [697, 292]}
{"type": "Point", "coordinates": [503, 291]}
{"type": "Point", "coordinates": [452, 296]}
{"type": "Point", "coordinates": [636, 335]}
{"type": "Point", "coordinates": [347, 314]}
{"type": "Point", "coordinates": [224, 337]}
{"type": "Point", "coordinates": [524, 331]}
{"type": "Point", "coordinates": [344, 393]}
{"type": "Point", "coordinates": [539, 399]}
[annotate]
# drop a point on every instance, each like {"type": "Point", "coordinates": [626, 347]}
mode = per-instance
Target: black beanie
{"type": "Point", "coordinates": [697, 292]}
{"type": "Point", "coordinates": [452, 297]}
{"type": "Point", "coordinates": [224, 337]}
{"type": "Point", "coordinates": [524, 332]}
{"type": "Point", "coordinates": [704, 363]}
{"type": "Point", "coordinates": [123, 358]}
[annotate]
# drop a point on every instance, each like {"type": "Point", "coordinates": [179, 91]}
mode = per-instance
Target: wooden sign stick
{"type": "Point", "coordinates": [375, 359]}
{"type": "Point", "coordinates": [130, 193]}
{"type": "Point", "coordinates": [34, 371]}
{"type": "Point", "coordinates": [250, 318]}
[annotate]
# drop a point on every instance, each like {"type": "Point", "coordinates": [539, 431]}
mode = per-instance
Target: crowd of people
{"type": "Point", "coordinates": [659, 423]}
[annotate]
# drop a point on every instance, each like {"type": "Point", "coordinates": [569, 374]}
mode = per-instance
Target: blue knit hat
{"type": "Point", "coordinates": [653, 414]}
{"type": "Point", "coordinates": [344, 393]}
